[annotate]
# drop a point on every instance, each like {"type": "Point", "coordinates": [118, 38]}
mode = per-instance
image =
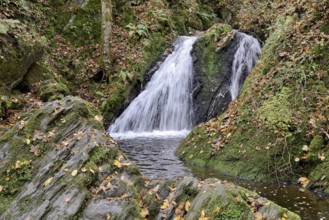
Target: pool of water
{"type": "Point", "coordinates": [154, 153]}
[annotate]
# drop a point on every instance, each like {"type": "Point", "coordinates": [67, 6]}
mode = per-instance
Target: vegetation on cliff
{"type": "Point", "coordinates": [277, 129]}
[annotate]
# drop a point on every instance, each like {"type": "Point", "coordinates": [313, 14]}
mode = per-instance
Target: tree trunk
{"type": "Point", "coordinates": [106, 36]}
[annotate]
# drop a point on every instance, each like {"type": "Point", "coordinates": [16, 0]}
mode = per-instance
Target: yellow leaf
{"type": "Point", "coordinates": [1, 188]}
{"type": "Point", "coordinates": [117, 164]}
{"type": "Point", "coordinates": [108, 185]}
{"type": "Point", "coordinates": [98, 118]}
{"type": "Point", "coordinates": [47, 181]}
{"type": "Point", "coordinates": [201, 151]}
{"type": "Point", "coordinates": [187, 205]}
{"type": "Point", "coordinates": [147, 183]}
{"type": "Point", "coordinates": [84, 169]}
{"type": "Point", "coordinates": [203, 214]}
{"type": "Point", "coordinates": [74, 172]}
{"type": "Point", "coordinates": [217, 210]}
{"type": "Point", "coordinates": [124, 196]}
{"type": "Point", "coordinates": [191, 156]}
{"type": "Point", "coordinates": [145, 213]}
{"type": "Point", "coordinates": [92, 171]}
{"type": "Point", "coordinates": [28, 141]}
{"type": "Point", "coordinates": [165, 204]}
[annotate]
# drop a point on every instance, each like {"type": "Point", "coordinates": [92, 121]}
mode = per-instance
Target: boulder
{"type": "Point", "coordinates": [54, 158]}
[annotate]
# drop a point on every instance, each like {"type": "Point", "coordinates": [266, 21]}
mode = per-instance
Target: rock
{"type": "Point", "coordinates": [51, 90]}
{"type": "Point", "coordinates": [17, 53]}
{"type": "Point", "coordinates": [53, 158]}
{"type": "Point", "coordinates": [212, 199]}
{"type": "Point", "coordinates": [212, 72]}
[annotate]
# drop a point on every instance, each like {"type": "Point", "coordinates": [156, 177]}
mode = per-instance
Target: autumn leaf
{"type": "Point", "coordinates": [74, 172]}
{"type": "Point", "coordinates": [35, 150]}
{"type": "Point", "coordinates": [1, 188]}
{"type": "Point", "coordinates": [117, 164]}
{"type": "Point", "coordinates": [27, 141]}
{"type": "Point", "coordinates": [47, 181]}
{"type": "Point", "coordinates": [165, 204]}
{"type": "Point", "coordinates": [187, 205]}
{"type": "Point", "coordinates": [145, 213]}
{"type": "Point", "coordinates": [99, 118]}
{"type": "Point", "coordinates": [84, 169]}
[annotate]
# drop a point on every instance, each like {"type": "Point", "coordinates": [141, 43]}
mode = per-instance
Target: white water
{"type": "Point", "coordinates": [166, 102]}
{"type": "Point", "coordinates": [245, 59]}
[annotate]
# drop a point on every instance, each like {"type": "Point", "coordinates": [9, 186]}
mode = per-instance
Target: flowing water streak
{"type": "Point", "coordinates": [166, 102]}
{"type": "Point", "coordinates": [245, 59]}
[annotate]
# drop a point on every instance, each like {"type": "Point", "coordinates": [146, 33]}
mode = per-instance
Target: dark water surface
{"type": "Point", "coordinates": [155, 155]}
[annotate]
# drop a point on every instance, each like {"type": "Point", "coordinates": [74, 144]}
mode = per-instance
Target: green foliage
{"type": "Point", "coordinates": [125, 75]}
{"type": "Point", "coordinates": [230, 214]}
{"type": "Point", "coordinates": [85, 27]}
{"type": "Point", "coordinates": [139, 31]}
{"type": "Point", "coordinates": [275, 112]}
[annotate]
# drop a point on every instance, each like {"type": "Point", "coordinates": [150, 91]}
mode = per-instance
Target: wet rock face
{"type": "Point", "coordinates": [51, 159]}
{"type": "Point", "coordinates": [212, 77]}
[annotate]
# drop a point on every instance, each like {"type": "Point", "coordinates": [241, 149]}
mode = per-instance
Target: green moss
{"type": "Point", "coordinates": [276, 113]}
{"type": "Point", "coordinates": [85, 26]}
{"type": "Point", "coordinates": [52, 90]}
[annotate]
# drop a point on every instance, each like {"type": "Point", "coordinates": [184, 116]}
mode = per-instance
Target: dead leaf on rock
{"type": "Point", "coordinates": [35, 150]}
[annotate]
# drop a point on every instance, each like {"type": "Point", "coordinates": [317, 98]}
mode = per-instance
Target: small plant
{"type": "Point", "coordinates": [141, 30]}
{"type": "Point", "coordinates": [124, 75]}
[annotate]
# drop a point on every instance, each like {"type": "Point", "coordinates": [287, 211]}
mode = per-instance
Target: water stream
{"type": "Point", "coordinates": [155, 123]}
{"type": "Point", "coordinates": [245, 59]}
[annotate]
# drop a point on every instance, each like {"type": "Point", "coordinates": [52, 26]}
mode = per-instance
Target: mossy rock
{"type": "Point", "coordinates": [55, 156]}
{"type": "Point", "coordinates": [215, 199]}
{"type": "Point", "coordinates": [50, 90]}
{"type": "Point", "coordinates": [38, 73]}
{"type": "Point", "coordinates": [17, 53]}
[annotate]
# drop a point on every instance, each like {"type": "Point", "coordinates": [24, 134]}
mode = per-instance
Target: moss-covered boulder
{"type": "Point", "coordinates": [54, 162]}
{"type": "Point", "coordinates": [50, 90]}
{"type": "Point", "coordinates": [189, 198]}
{"type": "Point", "coordinates": [18, 51]}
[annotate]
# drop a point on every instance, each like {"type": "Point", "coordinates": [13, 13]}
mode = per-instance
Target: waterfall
{"type": "Point", "coordinates": [166, 102]}
{"type": "Point", "coordinates": [245, 59]}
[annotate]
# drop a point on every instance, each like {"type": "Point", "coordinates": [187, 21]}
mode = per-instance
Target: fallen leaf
{"type": "Point", "coordinates": [74, 172]}
{"type": "Point", "coordinates": [203, 213]}
{"type": "Point", "coordinates": [35, 150]}
{"type": "Point", "coordinates": [1, 188]}
{"type": "Point", "coordinates": [84, 169]}
{"type": "Point", "coordinates": [165, 204]}
{"type": "Point", "coordinates": [47, 181]}
{"type": "Point", "coordinates": [28, 141]}
{"type": "Point", "coordinates": [145, 213]}
{"type": "Point", "coordinates": [99, 118]}
{"type": "Point", "coordinates": [117, 164]}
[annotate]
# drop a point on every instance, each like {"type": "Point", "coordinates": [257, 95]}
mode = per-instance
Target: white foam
{"type": "Point", "coordinates": [153, 134]}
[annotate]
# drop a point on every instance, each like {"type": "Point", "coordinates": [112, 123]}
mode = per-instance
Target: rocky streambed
{"type": "Point", "coordinates": [58, 163]}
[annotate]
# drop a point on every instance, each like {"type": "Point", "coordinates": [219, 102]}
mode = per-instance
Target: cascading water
{"type": "Point", "coordinates": [155, 122]}
{"type": "Point", "coordinates": [165, 104]}
{"type": "Point", "coordinates": [245, 59]}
